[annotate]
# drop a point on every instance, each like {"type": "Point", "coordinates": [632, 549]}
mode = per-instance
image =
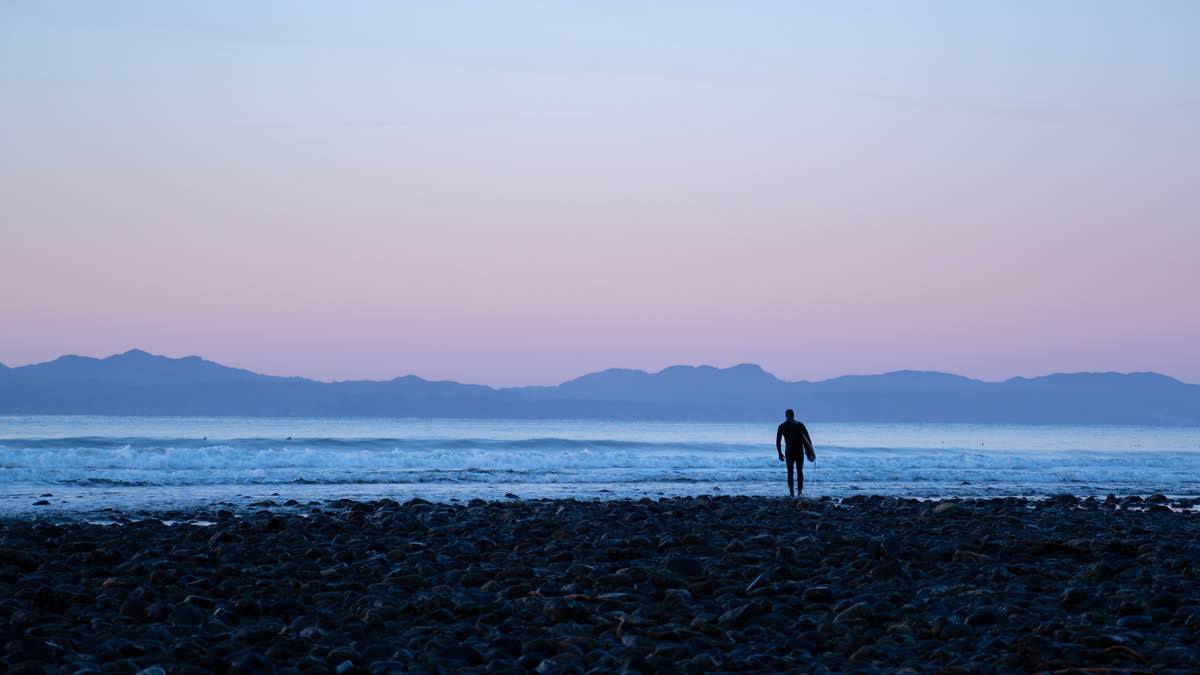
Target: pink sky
{"type": "Point", "coordinates": [527, 196]}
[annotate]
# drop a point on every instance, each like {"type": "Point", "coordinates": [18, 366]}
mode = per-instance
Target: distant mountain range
{"type": "Point", "coordinates": [138, 383]}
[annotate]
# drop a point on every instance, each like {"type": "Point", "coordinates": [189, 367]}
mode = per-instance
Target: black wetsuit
{"type": "Point", "coordinates": [798, 445]}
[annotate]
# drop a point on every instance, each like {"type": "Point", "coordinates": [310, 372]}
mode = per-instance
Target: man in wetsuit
{"type": "Point", "coordinates": [799, 446]}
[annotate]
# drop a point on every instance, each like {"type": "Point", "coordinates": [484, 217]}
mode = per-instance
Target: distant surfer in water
{"type": "Point", "coordinates": [799, 446]}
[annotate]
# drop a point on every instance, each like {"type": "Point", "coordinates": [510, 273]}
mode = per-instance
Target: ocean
{"type": "Point", "coordinates": [81, 464]}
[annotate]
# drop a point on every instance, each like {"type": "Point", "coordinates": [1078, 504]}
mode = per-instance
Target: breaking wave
{"type": "Point", "coordinates": [175, 461]}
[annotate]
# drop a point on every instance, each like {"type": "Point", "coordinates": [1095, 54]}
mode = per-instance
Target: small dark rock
{"type": "Point", "coordinates": [187, 615]}
{"type": "Point", "coordinates": [984, 616]}
{"type": "Point", "coordinates": [1136, 621]}
{"type": "Point", "coordinates": [1073, 597]}
{"type": "Point", "coordinates": [249, 662]}
{"type": "Point", "coordinates": [818, 595]}
{"type": "Point", "coordinates": [684, 565]}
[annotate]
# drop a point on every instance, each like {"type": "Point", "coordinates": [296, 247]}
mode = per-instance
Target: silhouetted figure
{"type": "Point", "coordinates": [799, 446]}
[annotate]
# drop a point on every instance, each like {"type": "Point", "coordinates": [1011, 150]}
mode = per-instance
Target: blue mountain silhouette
{"type": "Point", "coordinates": [140, 383]}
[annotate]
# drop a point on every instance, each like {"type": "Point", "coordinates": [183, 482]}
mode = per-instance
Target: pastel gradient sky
{"type": "Point", "coordinates": [513, 193]}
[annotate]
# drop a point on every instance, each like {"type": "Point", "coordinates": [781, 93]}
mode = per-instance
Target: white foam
{"type": "Point", "coordinates": [897, 459]}
{"type": "Point", "coordinates": [232, 464]}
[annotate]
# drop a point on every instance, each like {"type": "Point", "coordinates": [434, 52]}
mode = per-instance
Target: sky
{"type": "Point", "coordinates": [519, 193]}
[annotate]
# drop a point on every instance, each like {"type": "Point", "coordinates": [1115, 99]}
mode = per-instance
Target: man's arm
{"type": "Point", "coordinates": [778, 438]}
{"type": "Point", "coordinates": [808, 446]}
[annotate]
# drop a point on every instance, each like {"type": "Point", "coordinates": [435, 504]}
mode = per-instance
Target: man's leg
{"type": "Point", "coordinates": [800, 476]}
{"type": "Point", "coordinates": [790, 462]}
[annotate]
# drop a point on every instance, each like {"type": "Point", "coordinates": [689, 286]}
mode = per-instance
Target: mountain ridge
{"type": "Point", "coordinates": [137, 382]}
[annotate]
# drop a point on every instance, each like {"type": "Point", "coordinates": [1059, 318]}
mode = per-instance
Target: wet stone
{"type": "Point", "coordinates": [694, 584]}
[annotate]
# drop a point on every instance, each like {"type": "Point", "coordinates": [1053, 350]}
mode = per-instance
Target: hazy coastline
{"type": "Point", "coordinates": [138, 383]}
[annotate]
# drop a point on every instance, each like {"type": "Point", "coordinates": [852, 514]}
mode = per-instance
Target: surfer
{"type": "Point", "coordinates": [799, 446]}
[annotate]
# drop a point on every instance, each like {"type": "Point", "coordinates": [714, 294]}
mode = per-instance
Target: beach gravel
{"type": "Point", "coordinates": [695, 585]}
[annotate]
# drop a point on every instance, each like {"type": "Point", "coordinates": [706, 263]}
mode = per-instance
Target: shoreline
{"type": "Point", "coordinates": [60, 503]}
{"type": "Point", "coordinates": [57, 508]}
{"type": "Point", "coordinates": [690, 584]}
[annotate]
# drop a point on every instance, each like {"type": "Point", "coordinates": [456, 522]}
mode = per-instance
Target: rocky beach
{"type": "Point", "coordinates": [693, 584]}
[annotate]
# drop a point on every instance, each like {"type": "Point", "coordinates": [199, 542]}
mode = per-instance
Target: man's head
{"type": "Point", "coordinates": [791, 414]}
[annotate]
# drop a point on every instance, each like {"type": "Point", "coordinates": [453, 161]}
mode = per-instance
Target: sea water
{"type": "Point", "coordinates": [88, 463]}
